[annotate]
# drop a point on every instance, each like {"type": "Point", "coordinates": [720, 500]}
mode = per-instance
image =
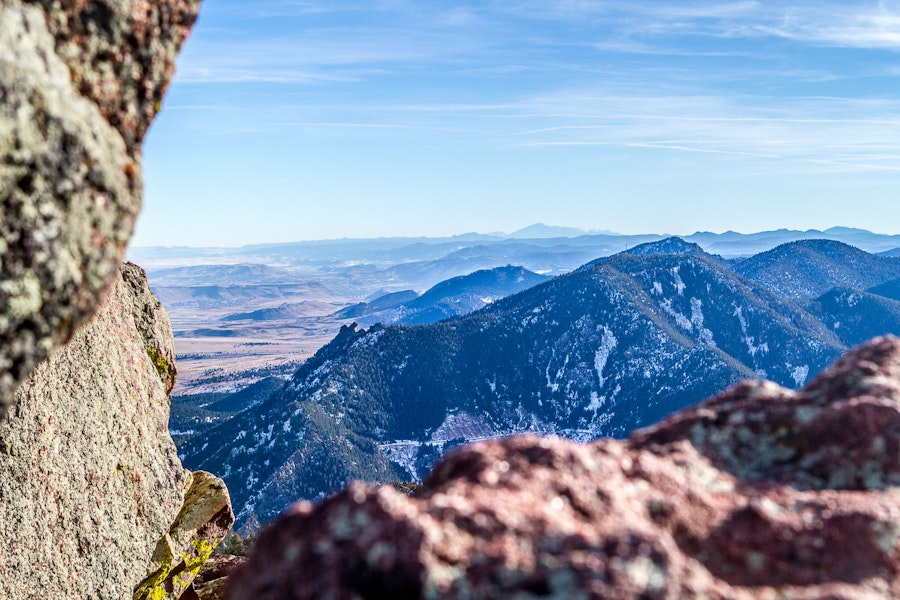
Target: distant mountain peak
{"type": "Point", "coordinates": [540, 230]}
{"type": "Point", "coordinates": [846, 230]}
{"type": "Point", "coordinates": [816, 243]}
{"type": "Point", "coordinates": [670, 245]}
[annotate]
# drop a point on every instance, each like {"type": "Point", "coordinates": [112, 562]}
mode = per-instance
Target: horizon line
{"type": "Point", "coordinates": [502, 235]}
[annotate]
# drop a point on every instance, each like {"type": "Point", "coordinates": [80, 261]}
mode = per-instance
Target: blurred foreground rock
{"type": "Point", "coordinates": [210, 581]}
{"type": "Point", "coordinates": [90, 482]}
{"type": "Point", "coordinates": [80, 83]}
{"type": "Point", "coordinates": [759, 493]}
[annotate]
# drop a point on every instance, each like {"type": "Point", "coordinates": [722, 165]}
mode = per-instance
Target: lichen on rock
{"type": "Point", "coordinates": [155, 332]}
{"type": "Point", "coordinates": [203, 521]}
{"type": "Point", "coordinates": [79, 84]}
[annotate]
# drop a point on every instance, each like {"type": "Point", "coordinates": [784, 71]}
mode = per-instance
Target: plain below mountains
{"type": "Point", "coordinates": [194, 413]}
{"type": "Point", "coordinates": [601, 351]}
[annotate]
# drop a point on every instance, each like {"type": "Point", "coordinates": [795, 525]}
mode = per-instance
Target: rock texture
{"type": "Point", "coordinates": [204, 520]}
{"type": "Point", "coordinates": [80, 83]}
{"type": "Point", "coordinates": [89, 477]}
{"type": "Point", "coordinates": [759, 493]}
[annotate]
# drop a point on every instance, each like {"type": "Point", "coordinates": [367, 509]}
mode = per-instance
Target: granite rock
{"type": "Point", "coordinates": [759, 493]}
{"type": "Point", "coordinates": [89, 476]}
{"type": "Point", "coordinates": [79, 84]}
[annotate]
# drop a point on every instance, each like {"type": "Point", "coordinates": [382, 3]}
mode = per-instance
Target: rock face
{"type": "Point", "coordinates": [80, 83]}
{"type": "Point", "coordinates": [90, 481]}
{"type": "Point", "coordinates": [759, 493]}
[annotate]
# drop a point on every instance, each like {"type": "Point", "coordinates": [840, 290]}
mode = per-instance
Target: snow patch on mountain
{"type": "Point", "coordinates": [403, 453]}
{"type": "Point", "coordinates": [680, 320]}
{"type": "Point", "coordinates": [800, 374]}
{"type": "Point", "coordinates": [462, 425]}
{"type": "Point", "coordinates": [679, 283]}
{"type": "Point", "coordinates": [607, 343]}
{"type": "Point", "coordinates": [761, 349]}
{"type": "Point", "coordinates": [706, 336]}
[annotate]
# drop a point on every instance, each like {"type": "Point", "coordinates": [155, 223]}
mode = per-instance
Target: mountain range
{"type": "Point", "coordinates": [360, 266]}
{"type": "Point", "coordinates": [613, 346]}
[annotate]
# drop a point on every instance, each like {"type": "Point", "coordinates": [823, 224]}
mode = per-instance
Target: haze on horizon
{"type": "Point", "coordinates": [292, 120]}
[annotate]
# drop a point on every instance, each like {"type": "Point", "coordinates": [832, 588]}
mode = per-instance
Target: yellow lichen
{"type": "Point", "coordinates": [154, 586]}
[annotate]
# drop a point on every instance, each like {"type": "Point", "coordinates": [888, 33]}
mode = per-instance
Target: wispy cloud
{"type": "Point", "coordinates": [852, 134]}
{"type": "Point", "coordinates": [872, 28]}
{"type": "Point", "coordinates": [679, 76]}
{"type": "Point", "coordinates": [843, 24]}
{"type": "Point", "coordinates": [815, 133]}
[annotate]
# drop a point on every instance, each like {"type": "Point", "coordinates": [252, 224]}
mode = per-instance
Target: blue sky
{"type": "Point", "coordinates": [294, 120]}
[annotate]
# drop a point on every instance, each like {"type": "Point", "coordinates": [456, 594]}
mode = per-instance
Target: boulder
{"type": "Point", "coordinates": [80, 83]}
{"type": "Point", "coordinates": [759, 493]}
{"type": "Point", "coordinates": [90, 481]}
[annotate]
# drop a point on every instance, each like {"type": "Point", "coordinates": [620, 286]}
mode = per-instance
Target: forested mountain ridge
{"type": "Point", "coordinates": [601, 351]}
{"type": "Point", "coordinates": [808, 268]}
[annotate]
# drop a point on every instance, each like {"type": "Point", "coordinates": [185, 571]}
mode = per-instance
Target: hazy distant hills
{"type": "Point", "coordinates": [596, 352]}
{"type": "Point", "coordinates": [808, 268]}
{"type": "Point", "coordinates": [539, 230]}
{"type": "Point", "coordinates": [468, 293]}
{"type": "Point", "coordinates": [734, 245]}
{"type": "Point", "coordinates": [215, 296]}
{"type": "Point", "coordinates": [283, 312]}
{"type": "Point", "coordinates": [392, 251]}
{"type": "Point", "coordinates": [221, 275]}
{"type": "Point", "coordinates": [456, 296]}
{"type": "Point", "coordinates": [379, 304]}
{"type": "Point", "coordinates": [355, 268]}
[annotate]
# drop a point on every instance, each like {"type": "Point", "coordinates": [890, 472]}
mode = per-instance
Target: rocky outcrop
{"type": "Point", "coordinates": [759, 493]}
{"type": "Point", "coordinates": [90, 481]}
{"type": "Point", "coordinates": [80, 83]}
{"type": "Point", "coordinates": [204, 520]}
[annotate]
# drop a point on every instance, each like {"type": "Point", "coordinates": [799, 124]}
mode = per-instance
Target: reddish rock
{"type": "Point", "coordinates": [759, 493]}
{"type": "Point", "coordinates": [121, 54]}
